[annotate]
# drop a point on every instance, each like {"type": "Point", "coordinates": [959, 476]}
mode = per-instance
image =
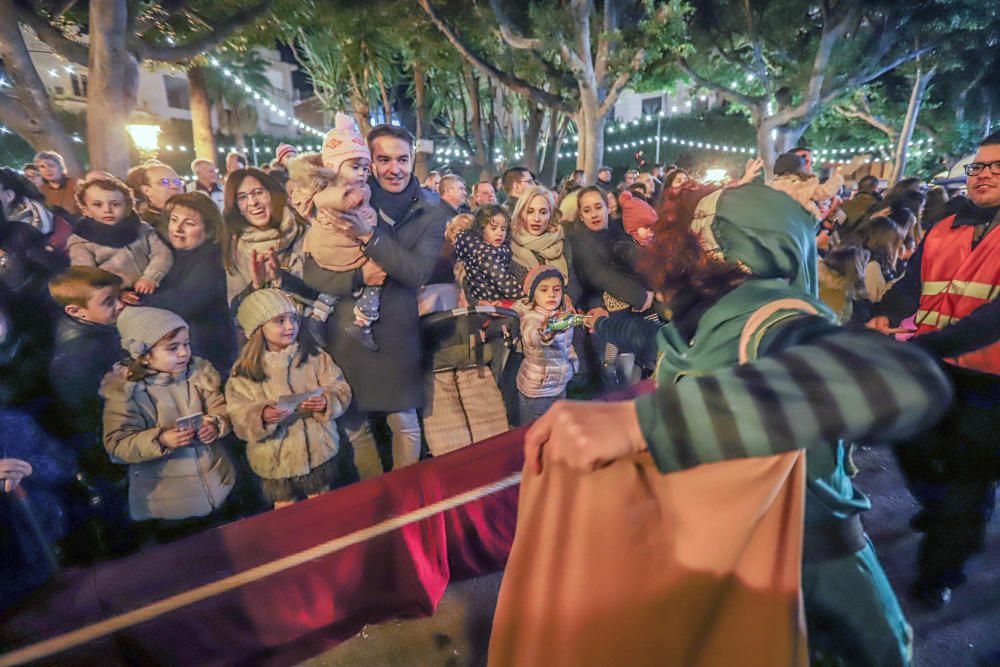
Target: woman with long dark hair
{"type": "Point", "coordinates": [260, 226]}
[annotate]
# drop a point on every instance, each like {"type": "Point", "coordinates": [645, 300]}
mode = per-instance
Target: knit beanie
{"type": "Point", "coordinates": [537, 275]}
{"type": "Point", "coordinates": [261, 306]}
{"type": "Point", "coordinates": [789, 163]}
{"type": "Point", "coordinates": [636, 213]}
{"type": "Point", "coordinates": [344, 142]}
{"type": "Point", "coordinates": [142, 327]}
{"type": "Point", "coordinates": [284, 151]}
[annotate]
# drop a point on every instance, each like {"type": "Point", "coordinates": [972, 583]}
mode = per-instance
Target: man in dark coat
{"type": "Point", "coordinates": [404, 248]}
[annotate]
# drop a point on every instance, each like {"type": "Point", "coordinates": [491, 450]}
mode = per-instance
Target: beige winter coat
{"type": "Point", "coordinates": [548, 366]}
{"type": "Point", "coordinates": [329, 247]}
{"type": "Point", "coordinates": [304, 440]}
{"type": "Point", "coordinates": [147, 257]}
{"type": "Point", "coordinates": [808, 191]}
{"type": "Point", "coordinates": [186, 482]}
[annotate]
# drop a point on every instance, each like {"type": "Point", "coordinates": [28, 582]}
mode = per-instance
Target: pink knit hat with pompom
{"type": "Point", "coordinates": [344, 142]}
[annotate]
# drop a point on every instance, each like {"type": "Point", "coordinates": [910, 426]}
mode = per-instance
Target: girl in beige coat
{"type": "Point", "coordinates": [284, 395]}
{"type": "Point", "coordinates": [176, 471]}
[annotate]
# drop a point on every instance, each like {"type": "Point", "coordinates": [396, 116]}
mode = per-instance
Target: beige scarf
{"type": "Point", "coordinates": [282, 237]}
{"type": "Point", "coordinates": [548, 245]}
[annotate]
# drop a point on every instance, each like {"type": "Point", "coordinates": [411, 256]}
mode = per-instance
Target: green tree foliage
{"type": "Point", "coordinates": [784, 62]}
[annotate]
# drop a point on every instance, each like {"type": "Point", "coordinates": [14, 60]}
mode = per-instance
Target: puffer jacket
{"type": "Point", "coordinates": [186, 482]}
{"type": "Point", "coordinates": [808, 191]}
{"type": "Point", "coordinates": [147, 257]}
{"type": "Point", "coordinates": [303, 441]}
{"type": "Point", "coordinates": [548, 366]}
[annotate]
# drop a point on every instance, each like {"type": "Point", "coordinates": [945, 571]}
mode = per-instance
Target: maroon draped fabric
{"type": "Point", "coordinates": [305, 610]}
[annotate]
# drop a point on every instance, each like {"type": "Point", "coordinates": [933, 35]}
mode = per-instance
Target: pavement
{"type": "Point", "coordinates": [964, 633]}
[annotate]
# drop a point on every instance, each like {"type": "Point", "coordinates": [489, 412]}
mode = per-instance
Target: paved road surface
{"type": "Point", "coordinates": [965, 633]}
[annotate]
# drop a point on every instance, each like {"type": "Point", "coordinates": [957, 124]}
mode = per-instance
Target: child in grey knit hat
{"type": "Point", "coordinates": [284, 395]}
{"type": "Point", "coordinates": [164, 414]}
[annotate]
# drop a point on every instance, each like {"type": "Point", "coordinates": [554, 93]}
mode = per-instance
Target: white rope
{"type": "Point", "coordinates": [63, 642]}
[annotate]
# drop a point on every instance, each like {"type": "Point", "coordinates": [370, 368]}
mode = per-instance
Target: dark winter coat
{"type": "Point", "coordinates": [392, 379]}
{"type": "Point", "coordinates": [195, 289]}
{"type": "Point", "coordinates": [488, 275]}
{"type": "Point", "coordinates": [22, 561]}
{"type": "Point", "coordinates": [84, 352]}
{"type": "Point", "coordinates": [594, 266]}
{"type": "Point", "coordinates": [28, 260]}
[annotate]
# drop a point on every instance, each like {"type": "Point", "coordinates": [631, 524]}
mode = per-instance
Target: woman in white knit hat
{"type": "Point", "coordinates": [284, 395]}
{"type": "Point", "coordinates": [177, 469]}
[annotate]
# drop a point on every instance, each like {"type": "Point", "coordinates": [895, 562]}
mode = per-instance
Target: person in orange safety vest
{"type": "Point", "coordinates": [952, 284]}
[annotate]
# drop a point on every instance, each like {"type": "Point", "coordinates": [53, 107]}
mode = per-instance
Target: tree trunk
{"type": "Point", "coordinates": [27, 109]}
{"type": "Point", "coordinates": [110, 87]}
{"type": "Point", "coordinates": [772, 141]}
{"type": "Point", "coordinates": [590, 131]}
{"type": "Point", "coordinates": [359, 103]}
{"type": "Point", "coordinates": [536, 115]}
{"type": "Point", "coordinates": [553, 143]}
{"type": "Point", "coordinates": [920, 82]}
{"type": "Point", "coordinates": [384, 93]}
{"type": "Point", "coordinates": [238, 135]}
{"type": "Point", "coordinates": [420, 163]}
{"type": "Point", "coordinates": [482, 157]}
{"type": "Point", "coordinates": [201, 115]}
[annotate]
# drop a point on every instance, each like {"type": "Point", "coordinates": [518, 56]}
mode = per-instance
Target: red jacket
{"type": "Point", "coordinates": [957, 280]}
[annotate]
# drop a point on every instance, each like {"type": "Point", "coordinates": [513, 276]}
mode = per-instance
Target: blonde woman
{"type": "Point", "coordinates": [538, 239]}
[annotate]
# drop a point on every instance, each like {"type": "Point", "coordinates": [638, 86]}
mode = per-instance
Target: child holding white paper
{"type": "Point", "coordinates": [291, 450]}
{"type": "Point", "coordinates": [174, 473]}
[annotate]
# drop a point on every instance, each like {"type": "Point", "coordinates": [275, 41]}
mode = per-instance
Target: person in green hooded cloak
{"type": "Point", "coordinates": [753, 364]}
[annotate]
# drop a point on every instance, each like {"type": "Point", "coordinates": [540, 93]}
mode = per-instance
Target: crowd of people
{"type": "Point", "coordinates": [174, 359]}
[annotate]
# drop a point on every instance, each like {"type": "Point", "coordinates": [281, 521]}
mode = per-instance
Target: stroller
{"type": "Point", "coordinates": [464, 403]}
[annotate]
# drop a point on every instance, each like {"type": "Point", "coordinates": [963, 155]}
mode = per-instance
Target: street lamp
{"type": "Point", "coordinates": [146, 138]}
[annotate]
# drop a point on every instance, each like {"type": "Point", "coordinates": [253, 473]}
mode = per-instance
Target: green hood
{"type": "Point", "coordinates": [763, 230]}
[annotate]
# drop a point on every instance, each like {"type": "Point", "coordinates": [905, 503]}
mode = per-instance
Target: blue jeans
{"type": "Point", "coordinates": [533, 408]}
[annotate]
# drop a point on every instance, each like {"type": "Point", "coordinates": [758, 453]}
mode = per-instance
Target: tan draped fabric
{"type": "Point", "coordinates": [627, 566]}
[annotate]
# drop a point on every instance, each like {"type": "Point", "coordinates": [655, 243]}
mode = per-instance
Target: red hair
{"type": "Point", "coordinates": [676, 259]}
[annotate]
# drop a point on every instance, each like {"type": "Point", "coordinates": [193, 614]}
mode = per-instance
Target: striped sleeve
{"type": "Point", "coordinates": [852, 385]}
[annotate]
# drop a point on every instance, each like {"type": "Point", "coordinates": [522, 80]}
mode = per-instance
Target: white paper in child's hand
{"type": "Point", "coordinates": [190, 421]}
{"type": "Point", "coordinates": [292, 401]}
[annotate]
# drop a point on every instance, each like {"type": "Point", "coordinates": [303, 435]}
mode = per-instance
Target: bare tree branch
{"type": "Point", "coordinates": [220, 33]}
{"type": "Point", "coordinates": [581, 10]}
{"type": "Point", "coordinates": [513, 82]}
{"type": "Point", "coordinates": [733, 96]}
{"type": "Point", "coordinates": [758, 50]}
{"type": "Point", "coordinates": [509, 33]}
{"type": "Point", "coordinates": [869, 118]}
{"type": "Point", "coordinates": [867, 77]}
{"type": "Point", "coordinates": [604, 41]}
{"type": "Point", "coordinates": [56, 39]}
{"type": "Point", "coordinates": [620, 82]}
{"type": "Point", "coordinates": [62, 8]}
{"type": "Point", "coordinates": [533, 46]}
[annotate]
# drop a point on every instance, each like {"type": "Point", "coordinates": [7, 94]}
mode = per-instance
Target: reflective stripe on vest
{"type": "Point", "coordinates": [957, 280]}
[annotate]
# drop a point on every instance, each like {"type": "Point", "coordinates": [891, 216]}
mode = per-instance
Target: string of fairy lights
{"type": "Point", "coordinates": [876, 152]}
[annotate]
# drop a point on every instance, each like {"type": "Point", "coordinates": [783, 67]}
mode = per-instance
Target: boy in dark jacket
{"type": "Point", "coordinates": [87, 345]}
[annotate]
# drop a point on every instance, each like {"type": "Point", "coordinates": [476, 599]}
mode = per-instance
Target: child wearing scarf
{"type": "Point", "coordinates": [111, 236]}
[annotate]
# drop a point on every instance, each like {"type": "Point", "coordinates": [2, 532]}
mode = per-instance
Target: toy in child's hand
{"type": "Point", "coordinates": [564, 321]}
